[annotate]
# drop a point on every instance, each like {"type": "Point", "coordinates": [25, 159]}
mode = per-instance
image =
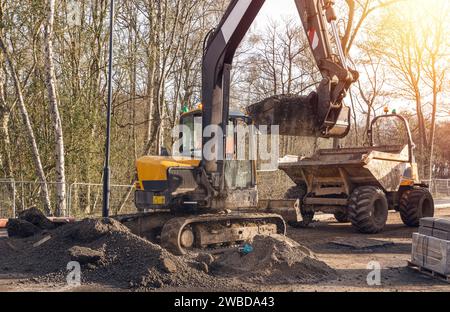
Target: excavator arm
{"type": "Point", "coordinates": [331, 114]}
{"type": "Point", "coordinates": [217, 60]}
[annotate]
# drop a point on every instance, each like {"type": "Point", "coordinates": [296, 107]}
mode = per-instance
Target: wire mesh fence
{"type": "Point", "coordinates": [7, 199]}
{"type": "Point", "coordinates": [86, 199]}
{"type": "Point", "coordinates": [440, 188]}
{"type": "Point", "coordinates": [82, 199]}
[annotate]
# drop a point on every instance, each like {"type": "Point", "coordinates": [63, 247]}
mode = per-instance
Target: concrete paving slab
{"type": "Point", "coordinates": [3, 234]}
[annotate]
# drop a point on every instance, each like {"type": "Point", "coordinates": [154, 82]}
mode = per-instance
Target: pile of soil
{"type": "Point", "coordinates": [109, 254]}
{"type": "Point", "coordinates": [29, 223]}
{"type": "Point", "coordinates": [275, 260]}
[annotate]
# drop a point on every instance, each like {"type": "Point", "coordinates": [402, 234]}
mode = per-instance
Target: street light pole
{"type": "Point", "coordinates": [107, 170]}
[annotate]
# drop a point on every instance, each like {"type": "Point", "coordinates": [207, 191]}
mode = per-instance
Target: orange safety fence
{"type": "Point", "coordinates": [3, 223]}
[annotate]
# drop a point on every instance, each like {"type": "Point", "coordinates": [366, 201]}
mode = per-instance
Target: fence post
{"type": "Point", "coordinates": [13, 182]}
{"type": "Point", "coordinates": [69, 199]}
{"type": "Point", "coordinates": [22, 196]}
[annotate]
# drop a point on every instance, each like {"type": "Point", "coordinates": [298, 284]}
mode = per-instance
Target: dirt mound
{"type": "Point", "coordinates": [21, 228]}
{"type": "Point", "coordinates": [90, 230]}
{"type": "Point", "coordinates": [85, 255]}
{"type": "Point", "coordinates": [109, 254]}
{"type": "Point", "coordinates": [30, 222]}
{"type": "Point", "coordinates": [274, 259]}
{"type": "Point", "coordinates": [37, 218]}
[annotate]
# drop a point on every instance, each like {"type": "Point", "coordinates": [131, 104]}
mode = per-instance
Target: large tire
{"type": "Point", "coordinates": [416, 204]}
{"type": "Point", "coordinates": [341, 215]}
{"type": "Point", "coordinates": [308, 214]}
{"type": "Point", "coordinates": [368, 209]}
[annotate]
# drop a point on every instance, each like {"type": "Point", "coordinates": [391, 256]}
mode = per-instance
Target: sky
{"type": "Point", "coordinates": [276, 10]}
{"type": "Point", "coordinates": [279, 7]}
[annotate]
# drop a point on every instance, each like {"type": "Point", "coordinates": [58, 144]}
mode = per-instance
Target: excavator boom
{"type": "Point", "coordinates": [332, 116]}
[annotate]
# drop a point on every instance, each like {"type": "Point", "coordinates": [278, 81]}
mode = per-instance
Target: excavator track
{"type": "Point", "coordinates": [182, 234]}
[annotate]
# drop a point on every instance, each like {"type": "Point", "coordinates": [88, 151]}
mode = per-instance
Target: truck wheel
{"type": "Point", "coordinates": [416, 204]}
{"type": "Point", "coordinates": [307, 215]}
{"type": "Point", "coordinates": [341, 215]}
{"type": "Point", "coordinates": [368, 209]}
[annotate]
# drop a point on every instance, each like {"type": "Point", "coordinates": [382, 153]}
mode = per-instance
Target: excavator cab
{"type": "Point", "coordinates": [239, 159]}
{"type": "Point", "coordinates": [172, 182]}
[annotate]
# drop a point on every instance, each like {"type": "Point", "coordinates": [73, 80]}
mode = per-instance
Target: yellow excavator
{"type": "Point", "coordinates": [210, 201]}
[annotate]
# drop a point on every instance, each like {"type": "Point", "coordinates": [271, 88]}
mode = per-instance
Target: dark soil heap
{"type": "Point", "coordinates": [109, 254]}
{"type": "Point", "coordinates": [29, 223]}
{"type": "Point", "coordinates": [275, 260]}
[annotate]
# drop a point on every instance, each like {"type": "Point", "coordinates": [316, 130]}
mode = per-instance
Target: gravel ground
{"type": "Point", "coordinates": [349, 265]}
{"type": "Point", "coordinates": [110, 255]}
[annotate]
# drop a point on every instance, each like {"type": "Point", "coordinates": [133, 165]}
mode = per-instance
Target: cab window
{"type": "Point", "coordinates": [192, 142]}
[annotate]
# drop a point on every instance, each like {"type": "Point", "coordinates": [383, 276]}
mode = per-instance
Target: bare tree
{"type": "Point", "coordinates": [371, 90]}
{"type": "Point", "coordinates": [412, 45]}
{"type": "Point", "coordinates": [274, 61]}
{"type": "Point", "coordinates": [29, 129]}
{"type": "Point", "coordinates": [54, 110]}
{"type": "Point", "coordinates": [435, 70]}
{"type": "Point", "coordinates": [358, 12]}
{"type": "Point", "coordinates": [5, 114]}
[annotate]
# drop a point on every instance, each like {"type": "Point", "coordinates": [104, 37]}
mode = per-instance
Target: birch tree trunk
{"type": "Point", "coordinates": [5, 113]}
{"type": "Point", "coordinates": [54, 111]}
{"type": "Point", "coordinates": [29, 129]}
{"type": "Point", "coordinates": [5, 141]}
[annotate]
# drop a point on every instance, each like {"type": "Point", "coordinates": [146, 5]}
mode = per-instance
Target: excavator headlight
{"type": "Point", "coordinates": [137, 185]}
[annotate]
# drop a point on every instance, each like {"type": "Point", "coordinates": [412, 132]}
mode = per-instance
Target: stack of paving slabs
{"type": "Point", "coordinates": [431, 246]}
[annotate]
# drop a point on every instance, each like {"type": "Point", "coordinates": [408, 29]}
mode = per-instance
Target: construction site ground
{"type": "Point", "coordinates": [392, 250]}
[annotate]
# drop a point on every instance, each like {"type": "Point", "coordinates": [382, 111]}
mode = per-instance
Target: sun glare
{"type": "Point", "coordinates": [423, 8]}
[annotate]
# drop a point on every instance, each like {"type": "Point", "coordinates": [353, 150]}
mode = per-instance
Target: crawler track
{"type": "Point", "coordinates": [233, 229]}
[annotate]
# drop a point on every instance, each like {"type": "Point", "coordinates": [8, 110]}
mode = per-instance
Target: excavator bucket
{"type": "Point", "coordinates": [300, 116]}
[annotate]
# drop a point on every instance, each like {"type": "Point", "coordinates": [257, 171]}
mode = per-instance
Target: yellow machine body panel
{"type": "Point", "coordinates": [154, 168]}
